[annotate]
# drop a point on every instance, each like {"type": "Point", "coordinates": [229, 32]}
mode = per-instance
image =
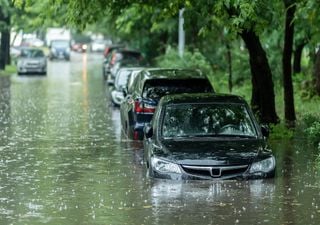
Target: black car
{"type": "Point", "coordinates": [206, 136]}
{"type": "Point", "coordinates": [148, 87]}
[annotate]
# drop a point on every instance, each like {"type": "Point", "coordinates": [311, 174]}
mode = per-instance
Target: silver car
{"type": "Point", "coordinates": [121, 80]}
{"type": "Point", "coordinates": [33, 61]}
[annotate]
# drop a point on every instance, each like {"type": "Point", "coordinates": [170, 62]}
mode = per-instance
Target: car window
{"type": "Point", "coordinates": [157, 88]}
{"type": "Point", "coordinates": [217, 120]}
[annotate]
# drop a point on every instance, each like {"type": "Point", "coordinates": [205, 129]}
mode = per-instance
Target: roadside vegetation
{"type": "Point", "coordinates": [9, 70]}
{"type": "Point", "coordinates": [265, 51]}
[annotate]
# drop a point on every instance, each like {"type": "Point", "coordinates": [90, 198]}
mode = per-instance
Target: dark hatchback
{"type": "Point", "coordinates": [148, 87]}
{"type": "Point", "coordinates": [206, 136]}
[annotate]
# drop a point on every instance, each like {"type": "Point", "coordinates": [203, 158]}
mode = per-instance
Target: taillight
{"type": "Point", "coordinates": [141, 107]}
{"type": "Point", "coordinates": [113, 59]}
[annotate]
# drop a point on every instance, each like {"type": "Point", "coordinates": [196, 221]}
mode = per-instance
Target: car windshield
{"type": "Point", "coordinates": [122, 78]}
{"type": "Point", "coordinates": [60, 44]}
{"type": "Point", "coordinates": [156, 88]}
{"type": "Point", "coordinates": [207, 120]}
{"type": "Point", "coordinates": [31, 53]}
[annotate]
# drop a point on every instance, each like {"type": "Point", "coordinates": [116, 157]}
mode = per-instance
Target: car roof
{"type": "Point", "coordinates": [169, 73]}
{"type": "Point", "coordinates": [201, 98]}
{"type": "Point", "coordinates": [131, 68]}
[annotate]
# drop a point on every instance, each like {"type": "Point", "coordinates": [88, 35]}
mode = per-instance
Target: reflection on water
{"type": "Point", "coordinates": [63, 161]}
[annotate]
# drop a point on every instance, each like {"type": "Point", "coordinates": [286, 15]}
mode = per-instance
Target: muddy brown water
{"type": "Point", "coordinates": [63, 161]}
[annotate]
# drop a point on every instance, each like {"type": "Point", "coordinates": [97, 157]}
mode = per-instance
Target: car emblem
{"type": "Point", "coordinates": [215, 172]}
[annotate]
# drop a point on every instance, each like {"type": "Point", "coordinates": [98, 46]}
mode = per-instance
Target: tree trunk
{"type": "Point", "coordinates": [229, 60]}
{"type": "Point", "coordinates": [7, 40]}
{"type": "Point", "coordinates": [263, 98]}
{"type": "Point", "coordinates": [2, 53]}
{"type": "Point", "coordinates": [317, 72]}
{"type": "Point", "coordinates": [5, 46]}
{"type": "Point", "coordinates": [289, 111]}
{"type": "Point", "coordinates": [297, 57]}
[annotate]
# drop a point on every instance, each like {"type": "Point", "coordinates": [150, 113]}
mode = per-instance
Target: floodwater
{"type": "Point", "coordinates": [63, 162]}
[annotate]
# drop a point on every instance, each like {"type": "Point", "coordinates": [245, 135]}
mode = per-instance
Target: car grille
{"type": "Point", "coordinates": [215, 171]}
{"type": "Point", "coordinates": [32, 64]}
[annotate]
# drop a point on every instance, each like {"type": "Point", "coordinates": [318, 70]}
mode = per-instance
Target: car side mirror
{"type": "Point", "coordinates": [148, 131]}
{"type": "Point", "coordinates": [265, 130]}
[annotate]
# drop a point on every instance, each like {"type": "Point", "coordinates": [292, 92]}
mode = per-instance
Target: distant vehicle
{"type": "Point", "coordinates": [122, 58]}
{"type": "Point", "coordinates": [57, 33]}
{"type": "Point", "coordinates": [79, 47]}
{"type": "Point", "coordinates": [31, 60]}
{"type": "Point", "coordinates": [59, 49]}
{"type": "Point", "coordinates": [32, 42]}
{"type": "Point", "coordinates": [149, 86]}
{"type": "Point", "coordinates": [120, 84]}
{"type": "Point", "coordinates": [98, 45]}
{"type": "Point", "coordinates": [15, 52]}
{"type": "Point", "coordinates": [206, 136]}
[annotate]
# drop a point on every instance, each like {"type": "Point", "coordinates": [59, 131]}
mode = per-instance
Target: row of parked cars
{"type": "Point", "coordinates": [188, 130]}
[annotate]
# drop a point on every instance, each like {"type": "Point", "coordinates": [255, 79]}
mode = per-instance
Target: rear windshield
{"type": "Point", "coordinates": [129, 56]}
{"type": "Point", "coordinates": [157, 88]}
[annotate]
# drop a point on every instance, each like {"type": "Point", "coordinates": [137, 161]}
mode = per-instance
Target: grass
{"type": "Point", "coordinates": [9, 70]}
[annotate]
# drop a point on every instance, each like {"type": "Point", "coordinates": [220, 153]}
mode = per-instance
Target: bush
{"type": "Point", "coordinates": [191, 60]}
{"type": "Point", "coordinates": [313, 132]}
{"type": "Point", "coordinates": [280, 131]}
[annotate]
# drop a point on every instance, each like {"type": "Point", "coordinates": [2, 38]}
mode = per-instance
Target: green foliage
{"type": "Point", "coordinates": [312, 123]}
{"type": "Point", "coordinates": [192, 60]}
{"type": "Point", "coordinates": [10, 69]}
{"type": "Point", "coordinates": [309, 119]}
{"type": "Point", "coordinates": [280, 131]}
{"type": "Point", "coordinates": [313, 132]}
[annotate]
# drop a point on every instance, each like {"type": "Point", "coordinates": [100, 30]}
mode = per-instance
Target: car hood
{"type": "Point", "coordinates": [211, 153]}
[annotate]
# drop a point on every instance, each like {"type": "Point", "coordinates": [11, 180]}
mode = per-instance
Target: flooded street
{"type": "Point", "coordinates": [63, 161]}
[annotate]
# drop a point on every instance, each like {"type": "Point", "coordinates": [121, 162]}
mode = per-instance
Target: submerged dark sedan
{"type": "Point", "coordinates": [206, 136]}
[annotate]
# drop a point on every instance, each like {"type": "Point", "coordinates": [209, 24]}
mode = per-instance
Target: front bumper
{"type": "Point", "coordinates": [41, 69]}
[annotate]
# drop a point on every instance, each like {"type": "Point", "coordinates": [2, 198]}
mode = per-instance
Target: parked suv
{"type": "Point", "coordinates": [148, 87]}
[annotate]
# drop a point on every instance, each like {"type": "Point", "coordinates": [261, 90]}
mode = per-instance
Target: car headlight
{"type": "Point", "coordinates": [43, 62]}
{"type": "Point", "coordinates": [265, 166]}
{"type": "Point", "coordinates": [163, 166]}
